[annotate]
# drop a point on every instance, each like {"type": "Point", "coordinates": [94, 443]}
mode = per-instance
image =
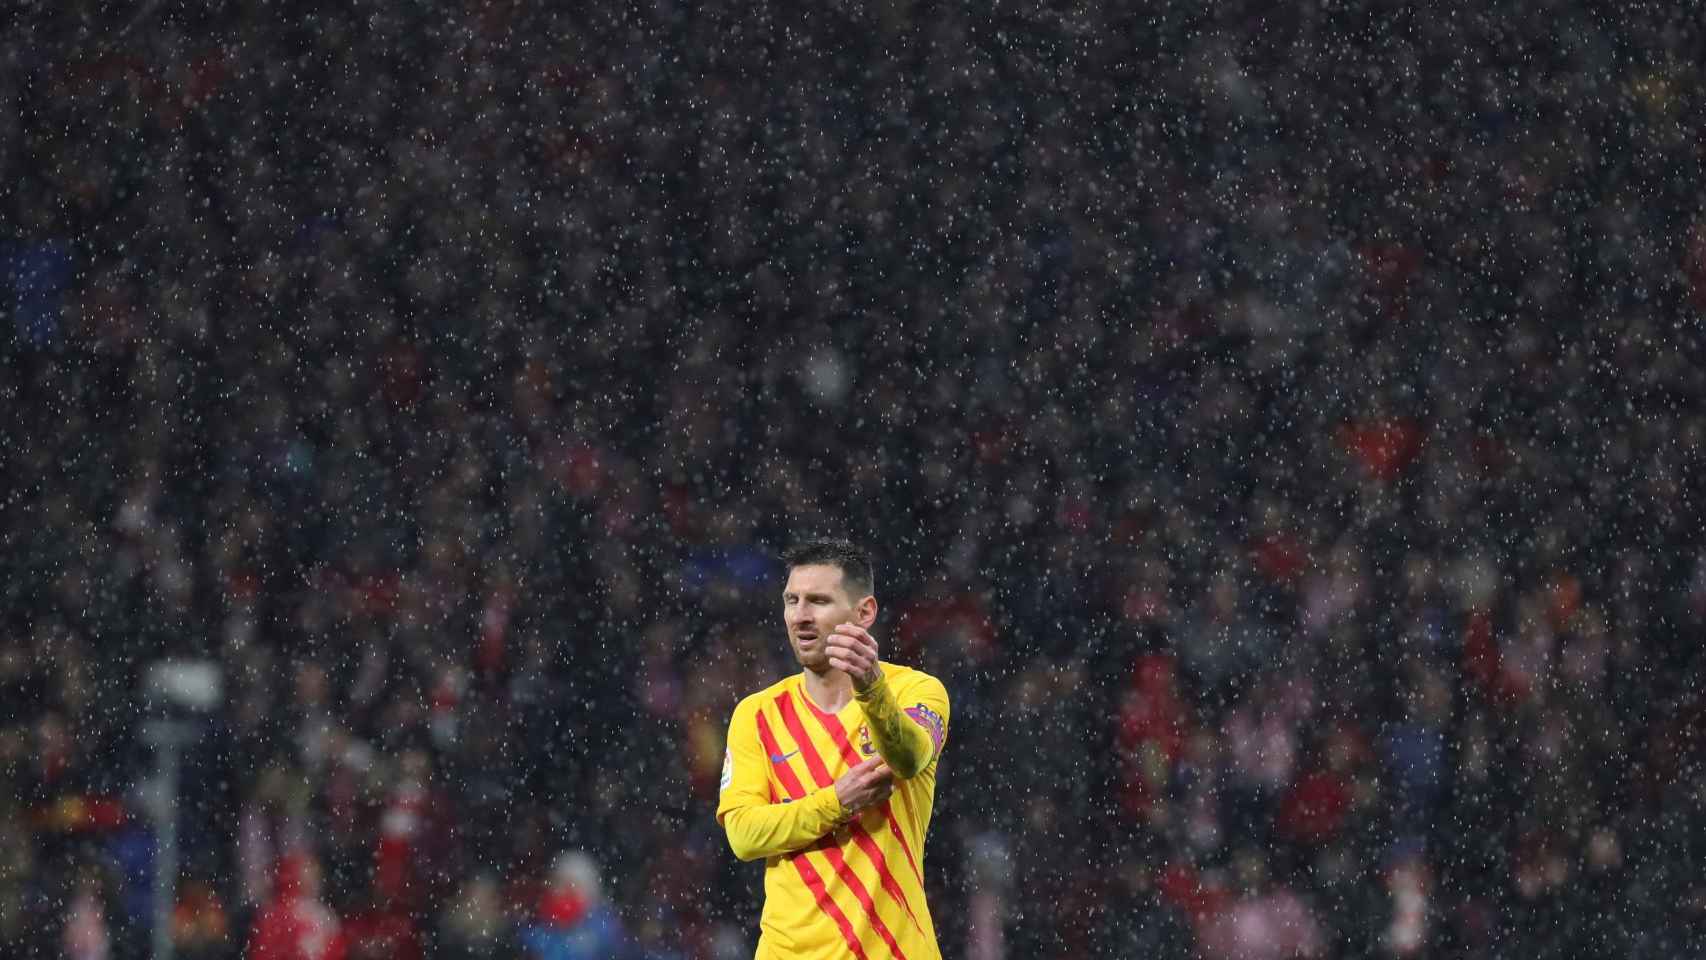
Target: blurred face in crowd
{"type": "Point", "coordinates": [814, 602]}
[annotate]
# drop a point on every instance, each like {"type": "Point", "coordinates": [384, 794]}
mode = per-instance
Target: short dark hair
{"type": "Point", "coordinates": [852, 560]}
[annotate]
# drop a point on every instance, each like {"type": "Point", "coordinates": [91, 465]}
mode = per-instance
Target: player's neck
{"type": "Point", "coordinates": [830, 690]}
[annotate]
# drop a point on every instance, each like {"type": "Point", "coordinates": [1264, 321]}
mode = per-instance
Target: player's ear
{"type": "Point", "coordinates": [867, 611]}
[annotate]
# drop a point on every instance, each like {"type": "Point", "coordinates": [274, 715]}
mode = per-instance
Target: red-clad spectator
{"type": "Point", "coordinates": [1313, 810]}
{"type": "Point", "coordinates": [382, 929]}
{"type": "Point", "coordinates": [572, 920]}
{"type": "Point", "coordinates": [296, 924]}
{"type": "Point", "coordinates": [1382, 446]}
{"type": "Point", "coordinates": [1152, 730]}
{"type": "Point", "coordinates": [415, 835]}
{"type": "Point", "coordinates": [946, 615]}
{"type": "Point", "coordinates": [1199, 896]}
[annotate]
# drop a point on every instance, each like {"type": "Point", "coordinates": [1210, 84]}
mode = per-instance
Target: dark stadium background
{"type": "Point", "coordinates": [1279, 426]}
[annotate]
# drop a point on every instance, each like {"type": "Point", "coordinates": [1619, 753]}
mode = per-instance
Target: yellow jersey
{"type": "Point", "coordinates": [835, 886]}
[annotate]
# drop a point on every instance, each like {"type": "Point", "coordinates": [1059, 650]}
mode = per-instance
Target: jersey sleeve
{"type": "Point", "coordinates": [908, 719]}
{"type": "Point", "coordinates": [757, 824]}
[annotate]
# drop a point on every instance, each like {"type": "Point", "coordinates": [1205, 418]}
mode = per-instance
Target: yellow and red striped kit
{"type": "Point", "coordinates": [834, 887]}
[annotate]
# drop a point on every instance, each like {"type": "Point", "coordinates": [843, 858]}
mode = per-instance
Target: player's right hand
{"type": "Point", "coordinates": [866, 784]}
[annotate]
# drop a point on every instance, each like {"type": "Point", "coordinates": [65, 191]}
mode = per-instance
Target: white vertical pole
{"type": "Point", "coordinates": [167, 736]}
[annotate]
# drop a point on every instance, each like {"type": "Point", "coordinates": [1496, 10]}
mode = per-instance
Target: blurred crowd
{"type": "Point", "coordinates": [1279, 426]}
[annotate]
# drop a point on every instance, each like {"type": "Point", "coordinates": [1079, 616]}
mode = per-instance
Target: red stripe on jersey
{"type": "Point", "coordinates": [814, 763]}
{"type": "Point", "coordinates": [808, 873]}
{"type": "Point", "coordinates": [783, 772]}
{"type": "Point", "coordinates": [808, 750]}
{"type": "Point", "coordinates": [838, 733]}
{"type": "Point", "coordinates": [906, 848]}
{"type": "Point", "coordinates": [911, 814]}
{"type": "Point", "coordinates": [839, 862]}
{"type": "Point", "coordinates": [875, 853]}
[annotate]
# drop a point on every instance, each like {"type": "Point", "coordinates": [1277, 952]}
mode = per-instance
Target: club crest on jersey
{"type": "Point", "coordinates": [866, 747]}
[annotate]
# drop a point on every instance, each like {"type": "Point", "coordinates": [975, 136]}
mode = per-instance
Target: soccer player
{"type": "Point", "coordinates": [830, 776]}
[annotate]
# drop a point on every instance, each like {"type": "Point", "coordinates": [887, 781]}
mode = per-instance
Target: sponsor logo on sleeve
{"type": "Point", "coordinates": [931, 721]}
{"type": "Point", "coordinates": [728, 769]}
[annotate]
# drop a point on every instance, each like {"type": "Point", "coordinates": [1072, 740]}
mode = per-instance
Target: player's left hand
{"type": "Point", "coordinates": [852, 650]}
